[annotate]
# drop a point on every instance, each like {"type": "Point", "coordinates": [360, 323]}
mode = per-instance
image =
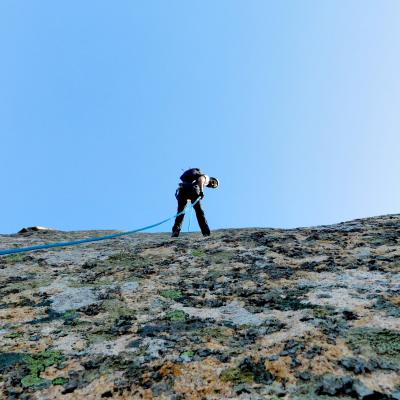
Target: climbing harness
{"type": "Point", "coordinates": [93, 239]}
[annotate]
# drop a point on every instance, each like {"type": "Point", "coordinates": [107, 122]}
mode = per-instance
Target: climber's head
{"type": "Point", "coordinates": [214, 183]}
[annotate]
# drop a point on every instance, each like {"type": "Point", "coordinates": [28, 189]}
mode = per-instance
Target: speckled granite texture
{"type": "Point", "coordinates": [308, 313]}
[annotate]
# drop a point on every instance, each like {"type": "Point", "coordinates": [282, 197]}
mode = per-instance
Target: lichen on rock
{"type": "Point", "coordinates": [307, 313]}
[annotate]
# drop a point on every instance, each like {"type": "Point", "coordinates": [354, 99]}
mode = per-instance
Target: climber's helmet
{"type": "Point", "coordinates": [214, 183]}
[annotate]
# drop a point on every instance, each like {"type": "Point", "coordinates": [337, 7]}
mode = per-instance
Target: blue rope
{"type": "Point", "coordinates": [190, 217]}
{"type": "Point", "coordinates": [93, 239]}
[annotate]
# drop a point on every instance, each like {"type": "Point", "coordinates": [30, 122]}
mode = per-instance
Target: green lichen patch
{"type": "Point", "coordinates": [60, 381]}
{"type": "Point", "coordinates": [393, 266]}
{"type": "Point", "coordinates": [36, 364]}
{"type": "Point", "coordinates": [375, 241]}
{"type": "Point", "coordinates": [189, 354]}
{"type": "Point", "coordinates": [13, 258]}
{"type": "Point", "coordinates": [216, 257]}
{"type": "Point", "coordinates": [382, 345]}
{"type": "Point", "coordinates": [31, 284]}
{"type": "Point", "coordinates": [116, 308]}
{"type": "Point", "coordinates": [236, 376]}
{"type": "Point", "coordinates": [214, 274]}
{"type": "Point", "coordinates": [198, 253]}
{"type": "Point", "coordinates": [57, 249]}
{"type": "Point", "coordinates": [222, 257]}
{"type": "Point", "coordinates": [70, 314]}
{"type": "Point", "coordinates": [14, 335]}
{"type": "Point", "coordinates": [128, 260]}
{"type": "Point", "coordinates": [99, 337]}
{"type": "Point", "coordinates": [33, 380]}
{"type": "Point", "coordinates": [176, 315]}
{"type": "Point", "coordinates": [171, 294]}
{"type": "Point", "coordinates": [221, 334]}
{"type": "Point", "coordinates": [324, 312]}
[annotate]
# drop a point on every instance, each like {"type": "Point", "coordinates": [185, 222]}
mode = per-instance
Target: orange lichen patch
{"type": "Point", "coordinates": [295, 329]}
{"type": "Point", "coordinates": [158, 252]}
{"type": "Point", "coordinates": [28, 347]}
{"type": "Point", "coordinates": [381, 381]}
{"type": "Point", "coordinates": [384, 249]}
{"type": "Point", "coordinates": [395, 300]}
{"type": "Point", "coordinates": [339, 350]}
{"type": "Point", "coordinates": [92, 391]}
{"type": "Point", "coordinates": [116, 277]}
{"type": "Point", "coordinates": [248, 284]}
{"type": "Point", "coordinates": [201, 379]}
{"type": "Point", "coordinates": [19, 314]}
{"type": "Point", "coordinates": [53, 372]}
{"type": "Point", "coordinates": [280, 258]}
{"type": "Point", "coordinates": [170, 368]}
{"type": "Point", "coordinates": [138, 393]}
{"type": "Point", "coordinates": [280, 369]}
{"type": "Point", "coordinates": [378, 321]}
{"type": "Point", "coordinates": [363, 321]}
{"type": "Point", "coordinates": [270, 350]}
{"type": "Point", "coordinates": [12, 298]}
{"type": "Point", "coordinates": [216, 343]}
{"type": "Point", "coordinates": [72, 365]}
{"type": "Point", "coordinates": [218, 337]}
{"type": "Point", "coordinates": [213, 246]}
{"type": "Point", "coordinates": [2, 390]}
{"type": "Point", "coordinates": [327, 361]}
{"type": "Point", "coordinates": [54, 393]}
{"type": "Point", "coordinates": [70, 343]}
{"type": "Point", "coordinates": [99, 386]}
{"type": "Point", "coordinates": [212, 345]}
{"type": "Point", "coordinates": [319, 365]}
{"type": "Point", "coordinates": [360, 309]}
{"type": "Point", "coordinates": [331, 351]}
{"type": "Point", "coordinates": [327, 243]}
{"type": "Point", "coordinates": [303, 274]}
{"type": "Point", "coordinates": [278, 283]}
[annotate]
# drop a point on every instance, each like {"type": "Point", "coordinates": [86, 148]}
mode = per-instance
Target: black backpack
{"type": "Point", "coordinates": [191, 175]}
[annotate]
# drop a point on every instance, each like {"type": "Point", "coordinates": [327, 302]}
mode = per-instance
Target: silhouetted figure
{"type": "Point", "coordinates": [191, 187]}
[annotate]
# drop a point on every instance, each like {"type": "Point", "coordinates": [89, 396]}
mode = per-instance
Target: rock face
{"type": "Point", "coordinates": [304, 313]}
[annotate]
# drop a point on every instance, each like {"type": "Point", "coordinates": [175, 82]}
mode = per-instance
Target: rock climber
{"type": "Point", "coordinates": [191, 187]}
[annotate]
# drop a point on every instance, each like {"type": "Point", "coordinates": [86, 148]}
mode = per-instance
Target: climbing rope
{"type": "Point", "coordinates": [190, 217]}
{"type": "Point", "coordinates": [93, 239]}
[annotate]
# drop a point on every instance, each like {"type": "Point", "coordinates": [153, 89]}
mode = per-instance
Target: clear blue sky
{"type": "Point", "coordinates": [294, 105]}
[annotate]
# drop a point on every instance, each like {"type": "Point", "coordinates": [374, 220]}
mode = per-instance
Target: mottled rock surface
{"type": "Point", "coordinates": [307, 313]}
